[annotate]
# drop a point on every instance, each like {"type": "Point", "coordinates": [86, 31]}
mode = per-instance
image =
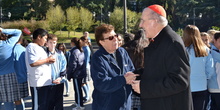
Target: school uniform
{"type": "Point", "coordinates": [39, 77]}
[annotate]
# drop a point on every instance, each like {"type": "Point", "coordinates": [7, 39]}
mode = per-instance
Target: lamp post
{"type": "Point", "coordinates": [9, 15]}
{"type": "Point", "coordinates": [109, 14]}
{"type": "Point", "coordinates": [194, 16]}
{"type": "Point", "coordinates": [125, 16]}
{"type": "Point", "coordinates": [93, 14]}
{"type": "Point", "coordinates": [103, 17]}
{"type": "Point", "coordinates": [1, 15]}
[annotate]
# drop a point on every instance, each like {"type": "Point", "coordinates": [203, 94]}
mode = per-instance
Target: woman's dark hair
{"type": "Point", "coordinates": [85, 39]}
{"type": "Point", "coordinates": [79, 46]}
{"type": "Point", "coordinates": [64, 47]}
{"type": "Point", "coordinates": [135, 48]}
{"type": "Point", "coordinates": [100, 30]}
{"type": "Point", "coordinates": [128, 37]}
{"type": "Point", "coordinates": [39, 32]}
{"type": "Point", "coordinates": [76, 41]}
{"type": "Point", "coordinates": [4, 36]}
{"type": "Point", "coordinates": [23, 41]}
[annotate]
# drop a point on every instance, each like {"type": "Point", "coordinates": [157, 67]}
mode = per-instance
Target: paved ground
{"type": "Point", "coordinates": [68, 101]}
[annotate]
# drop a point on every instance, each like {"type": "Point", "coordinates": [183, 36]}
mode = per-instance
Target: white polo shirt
{"type": "Point", "coordinates": [40, 75]}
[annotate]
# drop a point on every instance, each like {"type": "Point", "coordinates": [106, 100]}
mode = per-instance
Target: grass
{"type": "Point", "coordinates": [63, 36]}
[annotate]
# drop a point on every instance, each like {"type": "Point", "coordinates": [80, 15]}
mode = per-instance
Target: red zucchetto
{"type": "Point", "coordinates": [158, 9]}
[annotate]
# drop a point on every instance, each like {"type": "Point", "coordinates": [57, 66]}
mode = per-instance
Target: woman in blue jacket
{"type": "Point", "coordinates": [201, 63]}
{"type": "Point", "coordinates": [111, 70]}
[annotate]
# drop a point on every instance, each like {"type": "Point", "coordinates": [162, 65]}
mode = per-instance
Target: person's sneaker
{"type": "Point", "coordinates": [78, 108]}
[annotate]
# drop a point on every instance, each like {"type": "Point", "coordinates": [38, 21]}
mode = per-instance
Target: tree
{"type": "Point", "coordinates": [40, 8]}
{"type": "Point", "coordinates": [63, 3]}
{"type": "Point", "coordinates": [132, 19]}
{"type": "Point", "coordinates": [86, 19]}
{"type": "Point", "coordinates": [73, 19]}
{"type": "Point", "coordinates": [56, 18]}
{"type": "Point", "coordinates": [208, 8]}
{"type": "Point", "coordinates": [117, 20]}
{"type": "Point", "coordinates": [16, 7]}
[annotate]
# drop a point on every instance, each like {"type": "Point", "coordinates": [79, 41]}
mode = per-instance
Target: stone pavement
{"type": "Point", "coordinates": [68, 102]}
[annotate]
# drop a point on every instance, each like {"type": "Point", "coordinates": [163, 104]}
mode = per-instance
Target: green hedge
{"type": "Point", "coordinates": [31, 25]}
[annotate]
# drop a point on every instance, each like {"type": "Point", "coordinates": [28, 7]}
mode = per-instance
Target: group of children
{"type": "Point", "coordinates": [203, 50]}
{"type": "Point", "coordinates": [43, 63]}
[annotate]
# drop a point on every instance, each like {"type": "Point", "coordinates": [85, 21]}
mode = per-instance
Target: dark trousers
{"type": "Point", "coordinates": [77, 83]}
{"type": "Point", "coordinates": [39, 97]}
{"type": "Point", "coordinates": [215, 101]}
{"type": "Point", "coordinates": [199, 100]}
{"type": "Point", "coordinates": [207, 101]}
{"type": "Point", "coordinates": [56, 97]}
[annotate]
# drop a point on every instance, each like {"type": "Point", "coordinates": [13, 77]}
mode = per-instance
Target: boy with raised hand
{"type": "Point", "coordinates": [58, 72]}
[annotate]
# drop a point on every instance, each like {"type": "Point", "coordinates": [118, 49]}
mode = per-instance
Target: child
{"type": "Point", "coordinates": [77, 70]}
{"type": "Point", "coordinates": [62, 47]}
{"type": "Point", "coordinates": [21, 72]}
{"type": "Point", "coordinates": [214, 82]}
{"type": "Point", "coordinates": [58, 69]}
{"type": "Point", "coordinates": [87, 54]}
{"type": "Point", "coordinates": [211, 33]}
{"type": "Point", "coordinates": [206, 39]}
{"type": "Point", "coordinates": [9, 91]}
{"type": "Point", "coordinates": [39, 70]}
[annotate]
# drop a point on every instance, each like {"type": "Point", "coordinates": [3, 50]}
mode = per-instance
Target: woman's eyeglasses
{"type": "Point", "coordinates": [111, 37]}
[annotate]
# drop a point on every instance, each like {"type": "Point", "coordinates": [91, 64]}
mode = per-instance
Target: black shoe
{"type": "Point", "coordinates": [67, 95]}
{"type": "Point", "coordinates": [86, 100]}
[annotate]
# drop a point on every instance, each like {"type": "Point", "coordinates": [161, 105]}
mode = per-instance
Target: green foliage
{"type": "Point", "coordinates": [31, 24]}
{"type": "Point", "coordinates": [56, 18]}
{"type": "Point", "coordinates": [16, 7]}
{"type": "Point", "coordinates": [40, 8]}
{"type": "Point", "coordinates": [216, 28]}
{"type": "Point", "coordinates": [117, 20]}
{"type": "Point", "coordinates": [63, 3]}
{"type": "Point", "coordinates": [63, 37]}
{"type": "Point", "coordinates": [176, 9]}
{"type": "Point", "coordinates": [208, 9]}
{"type": "Point", "coordinates": [73, 19]}
{"type": "Point", "coordinates": [132, 19]}
{"type": "Point", "coordinates": [86, 19]}
{"type": "Point", "coordinates": [8, 3]}
{"type": "Point", "coordinates": [180, 31]}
